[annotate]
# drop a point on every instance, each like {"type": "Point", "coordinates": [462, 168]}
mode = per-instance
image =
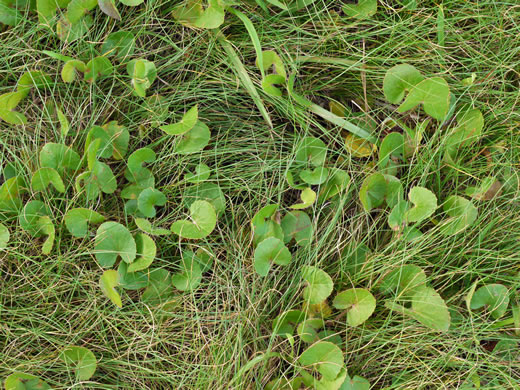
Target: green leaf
{"type": "Point", "coordinates": [190, 276]}
{"type": "Point", "coordinates": [363, 10]}
{"type": "Point", "coordinates": [314, 177]}
{"type": "Point", "coordinates": [425, 204]}
{"type": "Point", "coordinates": [307, 330]}
{"type": "Point", "coordinates": [428, 308]}
{"type": "Point", "coordinates": [9, 16]}
{"type": "Point", "coordinates": [194, 140]}
{"type": "Point", "coordinates": [391, 147]}
{"type": "Point", "coordinates": [131, 3]}
{"type": "Point", "coordinates": [76, 9]}
{"type": "Point", "coordinates": [398, 80]}
{"type": "Point", "coordinates": [30, 217]}
{"type": "Point", "coordinates": [205, 257]}
{"type": "Point", "coordinates": [113, 140]}
{"type": "Point", "coordinates": [202, 173]}
{"type": "Point", "coordinates": [82, 360]}
{"type": "Point", "coordinates": [470, 123]}
{"type": "Point", "coordinates": [136, 173]}
{"type": "Point", "coordinates": [98, 67]}
{"type": "Point", "coordinates": [109, 8]}
{"type": "Point", "coordinates": [326, 357]}
{"type": "Point", "coordinates": [355, 383]}
{"type": "Point", "coordinates": [487, 190]}
{"type": "Point", "coordinates": [70, 32]}
{"type": "Point", "coordinates": [373, 191]}
{"type": "Point", "coordinates": [284, 323]}
{"type": "Point", "coordinates": [59, 157]}
{"type": "Point", "coordinates": [319, 285]}
{"type": "Point", "coordinates": [64, 122]}
{"type": "Point", "coordinates": [355, 259]}
{"type": "Point", "coordinates": [188, 121]}
{"type": "Point", "coordinates": [337, 182]}
{"type": "Point", "coordinates": [113, 240]}
{"type": "Point", "coordinates": [212, 17]}
{"type": "Point", "coordinates": [210, 192]}
{"type": "Point", "coordinates": [108, 282]}
{"type": "Point", "coordinates": [143, 73]}
{"type": "Point", "coordinates": [270, 250]}
{"type": "Point", "coordinates": [147, 227]}
{"type": "Point", "coordinates": [70, 70]}
{"type": "Point", "coordinates": [403, 281]}
{"type": "Point", "coordinates": [45, 176]}
{"type": "Point", "coordinates": [121, 44]}
{"type": "Point", "coordinates": [146, 251]}
{"type": "Point", "coordinates": [204, 221]}
{"type": "Point", "coordinates": [34, 78]}
{"type": "Point", "coordinates": [462, 215]}
{"type": "Point", "coordinates": [77, 220]}
{"type": "Point", "coordinates": [308, 197]}
{"type": "Point", "coordinates": [4, 236]}
{"type": "Point", "coordinates": [298, 226]}
{"type": "Point", "coordinates": [270, 59]}
{"type": "Point", "coordinates": [433, 94]}
{"type": "Point", "coordinates": [159, 288]}
{"type": "Point", "coordinates": [311, 150]}
{"type": "Point", "coordinates": [264, 224]}
{"type": "Point", "coordinates": [99, 179]}
{"type": "Point", "coordinates": [148, 199]}
{"type": "Point", "coordinates": [188, 12]}
{"type": "Point", "coordinates": [397, 217]}
{"type": "Point", "coordinates": [359, 302]}
{"type": "Point", "coordinates": [22, 381]}
{"type": "Point", "coordinates": [10, 201]}
{"type": "Point", "coordinates": [8, 102]}
{"type": "Point", "coordinates": [495, 297]}
{"type": "Point", "coordinates": [131, 280]}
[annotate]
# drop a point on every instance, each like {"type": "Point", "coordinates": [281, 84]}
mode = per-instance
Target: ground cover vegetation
{"type": "Point", "coordinates": [262, 194]}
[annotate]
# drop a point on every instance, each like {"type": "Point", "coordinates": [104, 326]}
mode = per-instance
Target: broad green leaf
{"type": "Point", "coordinates": [194, 140]}
{"type": "Point", "coordinates": [188, 121]}
{"type": "Point", "coordinates": [271, 59]}
{"type": "Point", "coordinates": [188, 12]}
{"type": "Point", "coordinates": [212, 16]}
{"type": "Point", "coordinates": [428, 308]}
{"type": "Point", "coordinates": [147, 227]}
{"type": "Point", "coordinates": [298, 226]}
{"type": "Point", "coordinates": [59, 157]}
{"type": "Point", "coordinates": [205, 257]}
{"type": "Point", "coordinates": [22, 381]}
{"type": "Point", "coordinates": [319, 284]}
{"type": "Point", "coordinates": [47, 228]}
{"type": "Point", "coordinates": [4, 236]}
{"type": "Point", "coordinates": [397, 217]}
{"type": "Point", "coordinates": [204, 220]}
{"type": "Point", "coordinates": [355, 383]}
{"type": "Point", "coordinates": [99, 179]}
{"type": "Point", "coordinates": [159, 288]}
{"type": "Point", "coordinates": [10, 201]}
{"type": "Point", "coordinates": [359, 147]}
{"type": "Point", "coordinates": [136, 173]}
{"type": "Point", "coordinates": [131, 3]}
{"type": "Point", "coordinates": [495, 297]}
{"type": "Point", "coordinates": [264, 224]}
{"type": "Point", "coordinates": [308, 197]}
{"type": "Point", "coordinates": [462, 215]}
{"type": "Point", "coordinates": [337, 182]}
{"type": "Point", "coordinates": [316, 176]}
{"type": "Point", "coordinates": [470, 123]}
{"type": "Point", "coordinates": [373, 191]}
{"type": "Point", "coordinates": [392, 147]}
{"type": "Point", "coordinates": [398, 80]}
{"type": "Point", "coordinates": [113, 240]}
{"type": "Point", "coordinates": [311, 150]}
{"type": "Point", "coordinates": [82, 360]}
{"type": "Point", "coordinates": [131, 280]}
{"type": "Point", "coordinates": [76, 9]}
{"type": "Point", "coordinates": [113, 140]}
{"type": "Point", "coordinates": [403, 281]}
{"type": "Point", "coordinates": [326, 357]}
{"type": "Point", "coordinates": [8, 102]}
{"type": "Point", "coordinates": [34, 78]}
{"type": "Point", "coordinates": [394, 191]}
{"type": "Point", "coordinates": [433, 94]}
{"type": "Point", "coordinates": [71, 69]}
{"type": "Point", "coordinates": [98, 67]}
{"type": "Point", "coordinates": [8, 15]}
{"type": "Point", "coordinates": [207, 191]}
{"type": "Point", "coordinates": [146, 251]}
{"type": "Point", "coordinates": [148, 199]}
{"type": "Point", "coordinates": [284, 323]}
{"type": "Point", "coordinates": [271, 250]}
{"type": "Point", "coordinates": [307, 330]}
{"type": "Point", "coordinates": [354, 260]}
{"type": "Point", "coordinates": [487, 190]}
{"type": "Point", "coordinates": [190, 276]}
{"type": "Point", "coordinates": [300, 185]}
{"type": "Point", "coordinates": [425, 204]}
{"type": "Point", "coordinates": [70, 32]}
{"type": "Point", "coordinates": [359, 302]}
{"type": "Point", "coordinates": [77, 220]}
{"type": "Point", "coordinates": [108, 282]}
{"type": "Point", "coordinates": [121, 44]}
{"type": "Point", "coordinates": [30, 217]}
{"type": "Point", "coordinates": [109, 8]}
{"type": "Point", "coordinates": [45, 176]}
{"type": "Point", "coordinates": [142, 73]}
{"type": "Point", "coordinates": [363, 10]}
{"type": "Point", "coordinates": [202, 173]}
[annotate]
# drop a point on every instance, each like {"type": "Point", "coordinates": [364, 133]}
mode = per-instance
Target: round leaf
{"type": "Point", "coordinates": [398, 80]}
{"type": "Point", "coordinates": [270, 250]}
{"type": "Point", "coordinates": [108, 282]}
{"type": "Point", "coordinates": [190, 276]}
{"type": "Point", "coordinates": [319, 284]}
{"type": "Point", "coordinates": [119, 43]}
{"type": "Point", "coordinates": [77, 220]}
{"type": "Point", "coordinates": [493, 296]}
{"type": "Point", "coordinates": [113, 240]}
{"type": "Point", "coordinates": [462, 215]}
{"type": "Point", "coordinates": [373, 191]}
{"type": "Point", "coordinates": [146, 251]}
{"type": "Point", "coordinates": [316, 176]}
{"type": "Point", "coordinates": [359, 302]}
{"type": "Point", "coordinates": [325, 356]}
{"type": "Point", "coordinates": [298, 226]}
{"type": "Point", "coordinates": [4, 236]}
{"type": "Point", "coordinates": [433, 94]}
{"type": "Point", "coordinates": [194, 140]}
{"type": "Point", "coordinates": [204, 221]}
{"type": "Point", "coordinates": [425, 203]}
{"type": "Point", "coordinates": [45, 176]}
{"type": "Point", "coordinates": [131, 280]}
{"type": "Point", "coordinates": [82, 360]}
{"type": "Point", "coordinates": [312, 150]}
{"type": "Point", "coordinates": [202, 173]}
{"type": "Point", "coordinates": [188, 121]}
{"type": "Point", "coordinates": [148, 199]}
{"type": "Point", "coordinates": [22, 381]}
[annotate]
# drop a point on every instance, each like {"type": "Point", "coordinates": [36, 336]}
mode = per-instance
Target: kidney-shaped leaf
{"type": "Point", "coordinates": [270, 250]}
{"type": "Point", "coordinates": [45, 176]}
{"type": "Point", "coordinates": [188, 121]}
{"type": "Point", "coordinates": [22, 381]}
{"type": "Point", "coordinates": [82, 360]}
{"type": "Point", "coordinates": [363, 10]}
{"type": "Point", "coordinates": [433, 94]}
{"type": "Point", "coordinates": [425, 203]}
{"type": "Point", "coordinates": [202, 173]}
{"type": "Point", "coordinates": [148, 199]}
{"type": "Point", "coordinates": [77, 220]}
{"type": "Point", "coordinates": [319, 284]}
{"type": "Point", "coordinates": [4, 236]}
{"type": "Point", "coordinates": [403, 281]}
{"type": "Point", "coordinates": [113, 240]}
{"type": "Point", "coordinates": [462, 215]}
{"type": "Point", "coordinates": [493, 296]}
{"type": "Point", "coordinates": [325, 356]}
{"type": "Point", "coordinates": [194, 140]}
{"type": "Point", "coordinates": [359, 302]}
{"type": "Point", "coordinates": [146, 251]}
{"type": "Point", "coordinates": [119, 43]}
{"type": "Point", "coordinates": [204, 221]}
{"type": "Point", "coordinates": [108, 283]}
{"type": "Point", "coordinates": [190, 276]}
{"type": "Point", "coordinates": [398, 80]}
{"type": "Point", "coordinates": [298, 226]}
{"type": "Point", "coordinates": [373, 191]}
{"type": "Point", "coordinates": [312, 150]}
{"type": "Point", "coordinates": [59, 157]}
{"type": "Point", "coordinates": [131, 280]}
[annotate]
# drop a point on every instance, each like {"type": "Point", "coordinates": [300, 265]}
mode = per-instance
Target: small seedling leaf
{"type": "Point", "coordinates": [190, 276]}
{"type": "Point", "coordinates": [202, 173]}
{"type": "Point", "coordinates": [148, 199]}
{"type": "Point", "coordinates": [308, 197]}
